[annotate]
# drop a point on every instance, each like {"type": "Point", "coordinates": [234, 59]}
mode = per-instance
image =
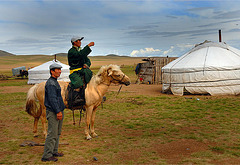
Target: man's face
{"type": "Point", "coordinates": [77, 43]}
{"type": "Point", "coordinates": [56, 73]}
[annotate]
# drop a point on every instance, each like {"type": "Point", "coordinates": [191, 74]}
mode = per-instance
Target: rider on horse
{"type": "Point", "coordinates": [79, 63]}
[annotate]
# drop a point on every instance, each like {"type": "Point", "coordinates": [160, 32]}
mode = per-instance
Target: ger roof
{"type": "Point", "coordinates": [206, 56]}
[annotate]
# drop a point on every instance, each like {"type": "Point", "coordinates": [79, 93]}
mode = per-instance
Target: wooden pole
{"type": "Point", "coordinates": [220, 35]}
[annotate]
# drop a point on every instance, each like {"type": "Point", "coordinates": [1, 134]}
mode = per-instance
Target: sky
{"type": "Point", "coordinates": [137, 28]}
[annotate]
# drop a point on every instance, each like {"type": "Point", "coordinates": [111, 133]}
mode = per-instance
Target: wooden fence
{"type": "Point", "coordinates": [151, 70]}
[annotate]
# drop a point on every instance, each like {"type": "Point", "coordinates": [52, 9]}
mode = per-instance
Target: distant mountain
{"type": "Point", "coordinates": [109, 55]}
{"type": "Point", "coordinates": [4, 53]}
{"type": "Point", "coordinates": [114, 55]}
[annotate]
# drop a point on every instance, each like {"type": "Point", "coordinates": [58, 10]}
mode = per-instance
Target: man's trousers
{"type": "Point", "coordinates": [54, 131]}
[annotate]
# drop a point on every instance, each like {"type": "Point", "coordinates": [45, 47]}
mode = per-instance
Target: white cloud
{"type": "Point", "coordinates": [183, 47]}
{"type": "Point", "coordinates": [168, 51]}
{"type": "Point", "coordinates": [173, 51]}
{"type": "Point", "coordinates": [145, 52]}
{"type": "Point", "coordinates": [119, 27]}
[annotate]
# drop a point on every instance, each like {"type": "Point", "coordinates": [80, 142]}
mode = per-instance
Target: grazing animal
{"type": "Point", "coordinates": [94, 93]}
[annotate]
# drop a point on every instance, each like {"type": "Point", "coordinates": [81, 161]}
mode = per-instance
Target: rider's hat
{"type": "Point", "coordinates": [76, 38]}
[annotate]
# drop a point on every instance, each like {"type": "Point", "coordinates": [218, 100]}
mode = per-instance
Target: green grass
{"type": "Point", "coordinates": [212, 118]}
{"type": "Point", "coordinates": [19, 82]}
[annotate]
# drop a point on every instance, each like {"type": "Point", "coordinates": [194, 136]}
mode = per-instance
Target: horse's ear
{"type": "Point", "coordinates": [109, 71]}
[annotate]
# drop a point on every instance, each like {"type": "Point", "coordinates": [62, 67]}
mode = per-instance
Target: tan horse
{"type": "Point", "coordinates": [94, 93]}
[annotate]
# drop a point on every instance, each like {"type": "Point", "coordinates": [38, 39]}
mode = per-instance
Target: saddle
{"type": "Point", "coordinates": [76, 97]}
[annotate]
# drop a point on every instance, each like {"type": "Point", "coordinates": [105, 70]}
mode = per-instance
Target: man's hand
{"type": "Point", "coordinates": [85, 66]}
{"type": "Point", "coordinates": [91, 44]}
{"type": "Point", "coordinates": [59, 115]}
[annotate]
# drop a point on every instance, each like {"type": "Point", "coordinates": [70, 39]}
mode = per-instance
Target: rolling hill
{"type": "Point", "coordinates": [4, 53]}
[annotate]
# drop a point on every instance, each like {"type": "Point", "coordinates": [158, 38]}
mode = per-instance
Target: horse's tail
{"type": "Point", "coordinates": [31, 105]}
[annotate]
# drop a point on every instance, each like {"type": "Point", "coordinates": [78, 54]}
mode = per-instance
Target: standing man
{"type": "Point", "coordinates": [79, 62]}
{"type": "Point", "coordinates": [54, 113]}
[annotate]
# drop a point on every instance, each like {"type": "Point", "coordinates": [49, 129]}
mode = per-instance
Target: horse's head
{"type": "Point", "coordinates": [116, 76]}
{"type": "Point", "coordinates": [112, 74]}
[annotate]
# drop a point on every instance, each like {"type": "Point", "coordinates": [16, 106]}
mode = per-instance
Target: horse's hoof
{"type": "Point", "coordinates": [88, 137]}
{"type": "Point", "coordinates": [35, 134]}
{"type": "Point", "coordinates": [94, 135]}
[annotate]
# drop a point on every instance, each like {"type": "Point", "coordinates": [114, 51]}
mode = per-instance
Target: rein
{"type": "Point", "coordinates": [120, 81]}
{"type": "Point", "coordinates": [119, 89]}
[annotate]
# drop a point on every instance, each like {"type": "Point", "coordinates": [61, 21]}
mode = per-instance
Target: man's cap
{"type": "Point", "coordinates": [55, 66]}
{"type": "Point", "coordinates": [76, 38]}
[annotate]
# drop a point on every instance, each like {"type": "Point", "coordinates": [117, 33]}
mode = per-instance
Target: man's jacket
{"type": "Point", "coordinates": [53, 98]}
{"type": "Point", "coordinates": [77, 58]}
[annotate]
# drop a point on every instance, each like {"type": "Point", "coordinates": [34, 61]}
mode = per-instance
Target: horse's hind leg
{"type": "Point", "coordinates": [92, 124]}
{"type": "Point", "coordinates": [43, 119]}
{"type": "Point", "coordinates": [35, 134]}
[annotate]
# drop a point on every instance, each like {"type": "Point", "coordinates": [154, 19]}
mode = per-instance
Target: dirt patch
{"type": "Point", "coordinates": [140, 89]}
{"type": "Point", "coordinates": [14, 89]}
{"type": "Point", "coordinates": [227, 161]}
{"type": "Point", "coordinates": [135, 89]}
{"type": "Point", "coordinates": [130, 155]}
{"type": "Point", "coordinates": [174, 152]}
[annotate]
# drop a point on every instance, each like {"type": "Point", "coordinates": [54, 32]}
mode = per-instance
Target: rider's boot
{"type": "Point", "coordinates": [80, 96]}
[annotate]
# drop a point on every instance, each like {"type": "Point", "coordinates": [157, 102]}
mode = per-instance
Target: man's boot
{"type": "Point", "coordinates": [81, 93]}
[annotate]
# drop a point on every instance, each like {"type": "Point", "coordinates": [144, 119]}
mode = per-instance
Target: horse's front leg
{"type": "Point", "coordinates": [35, 134]}
{"type": "Point", "coordinates": [88, 119]}
{"type": "Point", "coordinates": [92, 123]}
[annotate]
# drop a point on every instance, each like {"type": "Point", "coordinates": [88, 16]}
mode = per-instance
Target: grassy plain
{"type": "Point", "coordinates": [9, 62]}
{"type": "Point", "coordinates": [133, 128]}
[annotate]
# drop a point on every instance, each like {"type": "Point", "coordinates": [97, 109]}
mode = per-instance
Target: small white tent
{"type": "Point", "coordinates": [42, 73]}
{"type": "Point", "coordinates": [209, 68]}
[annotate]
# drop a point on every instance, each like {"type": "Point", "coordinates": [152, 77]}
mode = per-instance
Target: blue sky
{"type": "Point", "coordinates": [122, 27]}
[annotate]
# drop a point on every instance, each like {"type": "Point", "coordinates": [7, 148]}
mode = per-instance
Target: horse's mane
{"type": "Point", "coordinates": [99, 77]}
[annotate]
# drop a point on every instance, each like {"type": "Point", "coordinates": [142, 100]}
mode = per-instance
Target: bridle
{"type": "Point", "coordinates": [119, 81]}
